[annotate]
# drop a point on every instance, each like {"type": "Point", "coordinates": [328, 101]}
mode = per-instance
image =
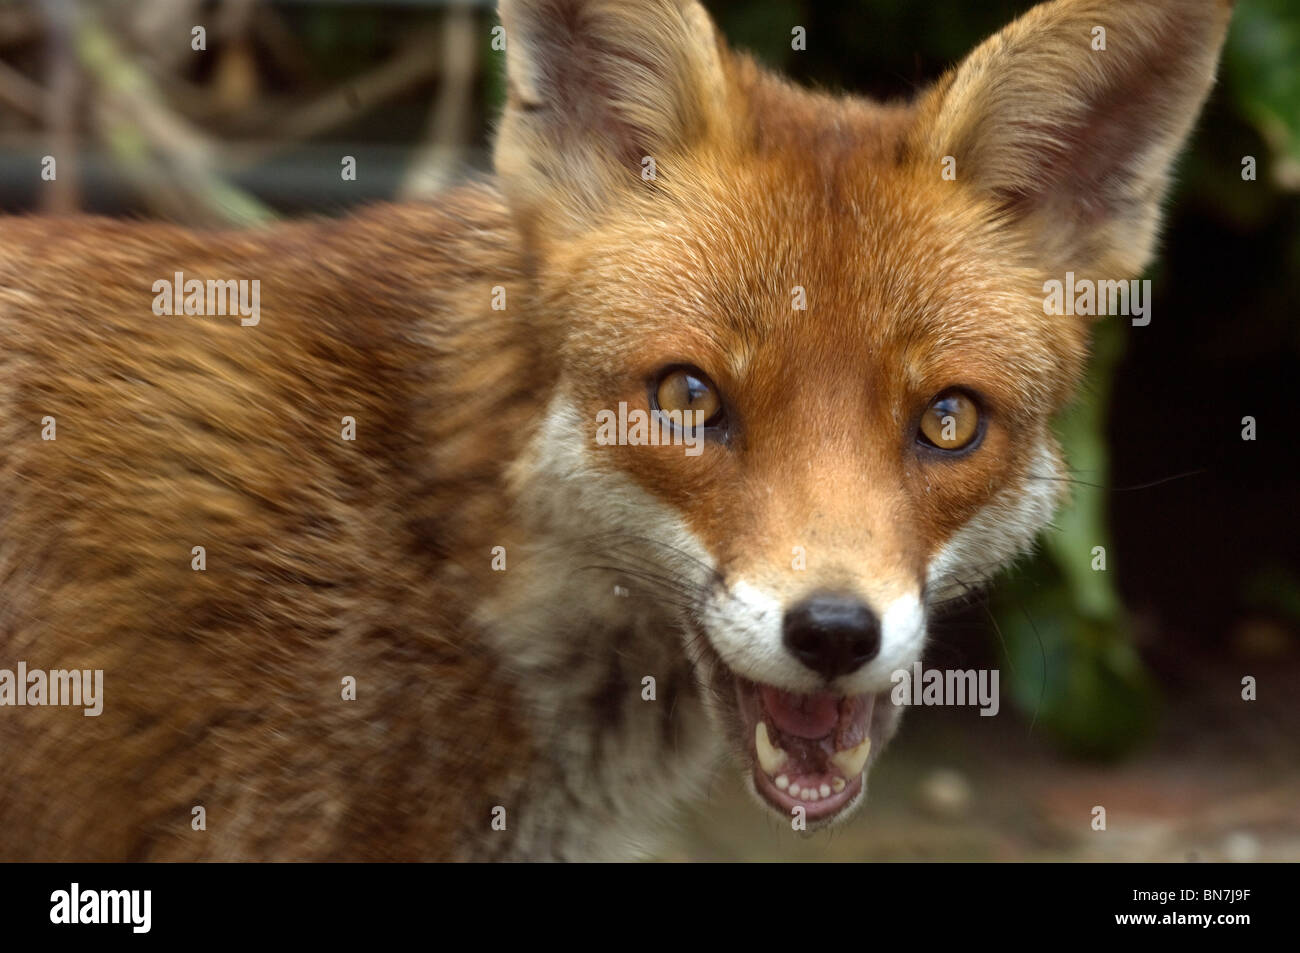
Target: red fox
{"type": "Point", "coordinates": [482, 529]}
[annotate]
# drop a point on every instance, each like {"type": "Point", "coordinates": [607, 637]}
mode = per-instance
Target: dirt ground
{"type": "Point", "coordinates": [1220, 781]}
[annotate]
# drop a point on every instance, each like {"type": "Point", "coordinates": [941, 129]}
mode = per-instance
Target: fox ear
{"type": "Point", "coordinates": [1071, 118]}
{"type": "Point", "coordinates": [593, 87]}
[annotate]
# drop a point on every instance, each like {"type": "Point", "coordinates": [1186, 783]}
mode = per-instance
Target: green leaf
{"type": "Point", "coordinates": [1262, 63]}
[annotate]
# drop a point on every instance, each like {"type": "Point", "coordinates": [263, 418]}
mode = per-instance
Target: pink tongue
{"type": "Point", "coordinates": [804, 716]}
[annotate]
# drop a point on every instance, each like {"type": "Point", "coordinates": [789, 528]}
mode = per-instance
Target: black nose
{"type": "Point", "coordinates": [832, 635]}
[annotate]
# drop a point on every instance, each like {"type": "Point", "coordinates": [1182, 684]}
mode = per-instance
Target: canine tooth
{"type": "Point", "coordinates": [838, 784]}
{"type": "Point", "coordinates": [851, 762]}
{"type": "Point", "coordinates": [826, 790]}
{"type": "Point", "coordinates": [770, 758]}
{"type": "Point", "coordinates": [782, 782]}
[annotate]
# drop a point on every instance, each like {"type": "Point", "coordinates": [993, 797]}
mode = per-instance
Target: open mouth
{"type": "Point", "coordinates": [809, 750]}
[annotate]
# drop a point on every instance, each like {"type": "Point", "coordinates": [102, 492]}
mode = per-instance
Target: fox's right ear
{"type": "Point", "coordinates": [1070, 120]}
{"type": "Point", "coordinates": [594, 87]}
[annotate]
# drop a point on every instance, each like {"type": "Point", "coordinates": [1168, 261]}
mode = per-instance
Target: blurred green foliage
{"type": "Point", "coordinates": [1074, 667]}
{"type": "Point", "coordinates": [1262, 63]}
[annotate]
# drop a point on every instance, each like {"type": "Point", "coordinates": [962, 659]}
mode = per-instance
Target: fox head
{"type": "Point", "coordinates": [848, 299]}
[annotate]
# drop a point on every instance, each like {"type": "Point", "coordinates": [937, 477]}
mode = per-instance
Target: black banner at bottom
{"type": "Point", "coordinates": [139, 903]}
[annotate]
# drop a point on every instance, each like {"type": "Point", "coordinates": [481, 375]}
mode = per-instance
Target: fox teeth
{"type": "Point", "coordinates": [770, 758]}
{"type": "Point", "coordinates": [851, 762]}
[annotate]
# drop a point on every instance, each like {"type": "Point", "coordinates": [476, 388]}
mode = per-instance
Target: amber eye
{"type": "Point", "coordinates": [685, 388]}
{"type": "Point", "coordinates": [951, 422]}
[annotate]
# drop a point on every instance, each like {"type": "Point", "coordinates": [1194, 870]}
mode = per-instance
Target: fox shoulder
{"type": "Point", "coordinates": [228, 520]}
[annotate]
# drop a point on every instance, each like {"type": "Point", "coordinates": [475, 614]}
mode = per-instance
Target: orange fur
{"type": "Point", "coordinates": [371, 558]}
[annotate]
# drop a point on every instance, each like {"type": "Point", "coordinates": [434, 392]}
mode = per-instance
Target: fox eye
{"type": "Point", "coordinates": [951, 422]}
{"type": "Point", "coordinates": [685, 388]}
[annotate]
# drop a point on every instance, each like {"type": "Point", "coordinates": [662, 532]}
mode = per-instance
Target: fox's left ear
{"type": "Point", "coordinates": [595, 87]}
{"type": "Point", "coordinates": [1071, 118]}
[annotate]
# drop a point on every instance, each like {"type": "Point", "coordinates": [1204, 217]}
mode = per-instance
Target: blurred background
{"type": "Point", "coordinates": [1122, 686]}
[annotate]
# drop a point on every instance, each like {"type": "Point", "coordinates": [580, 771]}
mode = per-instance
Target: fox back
{"type": "Point", "coordinates": [511, 514]}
